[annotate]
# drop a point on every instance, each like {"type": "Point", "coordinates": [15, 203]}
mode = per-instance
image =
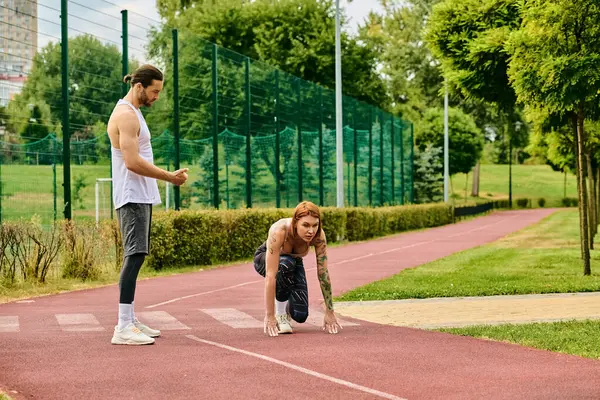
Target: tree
{"type": "Point", "coordinates": [412, 75]}
{"type": "Point", "coordinates": [553, 67]}
{"type": "Point", "coordinates": [428, 177]}
{"type": "Point", "coordinates": [30, 118]}
{"type": "Point", "coordinates": [465, 138]}
{"type": "Point", "coordinates": [95, 79]}
{"type": "Point", "coordinates": [296, 36]}
{"type": "Point", "coordinates": [35, 129]}
{"type": "Point", "coordinates": [469, 37]}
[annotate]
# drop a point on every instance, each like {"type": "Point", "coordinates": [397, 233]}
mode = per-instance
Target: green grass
{"type": "Point", "coordinates": [544, 258]}
{"type": "Point", "coordinates": [531, 181]}
{"type": "Point", "coordinates": [28, 189]}
{"type": "Point", "coordinates": [4, 396]}
{"type": "Point", "coordinates": [570, 337]}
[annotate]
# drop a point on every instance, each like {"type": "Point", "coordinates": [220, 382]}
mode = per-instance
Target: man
{"type": "Point", "coordinates": [135, 191]}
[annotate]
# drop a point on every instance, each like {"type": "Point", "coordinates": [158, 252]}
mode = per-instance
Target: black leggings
{"type": "Point", "coordinates": [290, 282]}
{"type": "Point", "coordinates": [129, 274]}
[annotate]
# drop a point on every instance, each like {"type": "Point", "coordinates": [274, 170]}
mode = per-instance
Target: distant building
{"type": "Point", "coordinates": [18, 45]}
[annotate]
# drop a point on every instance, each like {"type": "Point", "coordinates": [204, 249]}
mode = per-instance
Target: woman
{"type": "Point", "coordinates": [279, 260]}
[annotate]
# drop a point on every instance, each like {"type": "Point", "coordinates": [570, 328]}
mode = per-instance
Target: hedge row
{"type": "Point", "coordinates": [208, 237]}
{"type": "Point", "coordinates": [531, 203]}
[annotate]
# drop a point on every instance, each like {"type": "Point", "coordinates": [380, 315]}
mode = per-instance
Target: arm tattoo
{"type": "Point", "coordinates": [271, 242]}
{"type": "Point", "coordinates": [323, 273]}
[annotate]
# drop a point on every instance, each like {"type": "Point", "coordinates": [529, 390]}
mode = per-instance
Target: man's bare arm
{"type": "Point", "coordinates": [322, 272]}
{"type": "Point", "coordinates": [128, 142]}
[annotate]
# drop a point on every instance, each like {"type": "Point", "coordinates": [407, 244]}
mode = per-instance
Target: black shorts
{"type": "Point", "coordinates": [134, 222]}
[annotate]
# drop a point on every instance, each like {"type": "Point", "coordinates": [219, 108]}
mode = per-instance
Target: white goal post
{"type": "Point", "coordinates": [101, 196]}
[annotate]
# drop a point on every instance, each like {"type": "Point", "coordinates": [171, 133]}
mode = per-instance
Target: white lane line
{"type": "Point", "coordinates": [78, 323]}
{"type": "Point", "coordinates": [481, 227]}
{"type": "Point", "coordinates": [447, 237]}
{"type": "Point", "coordinates": [353, 259]}
{"type": "Point", "coordinates": [233, 317]}
{"type": "Point", "coordinates": [335, 263]}
{"type": "Point", "coordinates": [315, 317]}
{"type": "Point", "coordinates": [300, 369]}
{"type": "Point", "coordinates": [406, 247]}
{"type": "Point", "coordinates": [9, 323]}
{"type": "Point", "coordinates": [161, 320]}
{"type": "Point", "coordinates": [202, 294]}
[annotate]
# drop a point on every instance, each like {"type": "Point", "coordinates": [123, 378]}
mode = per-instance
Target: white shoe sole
{"type": "Point", "coordinates": [130, 342]}
{"type": "Point", "coordinates": [285, 331]}
{"type": "Point", "coordinates": [151, 335]}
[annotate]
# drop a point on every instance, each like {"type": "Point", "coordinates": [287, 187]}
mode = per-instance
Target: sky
{"type": "Point", "coordinates": [102, 18]}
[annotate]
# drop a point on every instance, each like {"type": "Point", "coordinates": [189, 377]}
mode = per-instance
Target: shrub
{"type": "Point", "coordinates": [28, 250]}
{"type": "Point", "coordinates": [112, 234]}
{"type": "Point", "coordinates": [523, 203]}
{"type": "Point", "coordinates": [81, 259]}
{"type": "Point", "coordinates": [208, 237]}
{"type": "Point", "coordinates": [541, 202]}
{"type": "Point", "coordinates": [501, 204]}
{"type": "Point", "coordinates": [569, 202]}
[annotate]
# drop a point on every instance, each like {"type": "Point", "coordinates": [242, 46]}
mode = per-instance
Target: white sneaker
{"type": "Point", "coordinates": [130, 335]}
{"type": "Point", "coordinates": [146, 330]}
{"type": "Point", "coordinates": [284, 323]}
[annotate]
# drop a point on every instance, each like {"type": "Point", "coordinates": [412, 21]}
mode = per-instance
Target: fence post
{"type": "Point", "coordinates": [54, 174]}
{"type": "Point", "coordinates": [381, 125]}
{"type": "Point", "coordinates": [412, 163]}
{"type": "Point", "coordinates": [370, 155]}
{"type": "Point", "coordinates": [124, 87]}
{"type": "Point", "coordinates": [299, 127]}
{"type": "Point", "coordinates": [355, 156]}
{"type": "Point", "coordinates": [248, 136]}
{"type": "Point", "coordinates": [347, 158]}
{"type": "Point", "coordinates": [321, 177]}
{"type": "Point", "coordinates": [392, 151]}
{"type": "Point", "coordinates": [64, 17]}
{"type": "Point", "coordinates": [277, 143]}
{"type": "Point", "coordinates": [125, 54]}
{"type": "Point", "coordinates": [402, 178]}
{"type": "Point", "coordinates": [176, 189]}
{"type": "Point", "coordinates": [1, 183]}
{"type": "Point", "coordinates": [215, 100]}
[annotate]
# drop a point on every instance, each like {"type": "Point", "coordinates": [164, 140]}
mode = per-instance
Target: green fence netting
{"type": "Point", "coordinates": [251, 135]}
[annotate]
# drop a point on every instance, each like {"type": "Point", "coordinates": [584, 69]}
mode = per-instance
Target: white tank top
{"type": "Point", "coordinates": [129, 187]}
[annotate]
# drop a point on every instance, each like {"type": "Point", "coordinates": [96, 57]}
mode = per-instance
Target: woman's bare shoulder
{"type": "Point", "coordinates": [279, 228]}
{"type": "Point", "coordinates": [281, 224]}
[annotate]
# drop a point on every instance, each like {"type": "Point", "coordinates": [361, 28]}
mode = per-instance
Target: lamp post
{"type": "Point", "coordinates": [339, 139]}
{"type": "Point", "coordinates": [446, 145]}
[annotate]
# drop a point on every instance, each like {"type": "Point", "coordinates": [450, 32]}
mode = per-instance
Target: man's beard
{"type": "Point", "coordinates": [144, 99]}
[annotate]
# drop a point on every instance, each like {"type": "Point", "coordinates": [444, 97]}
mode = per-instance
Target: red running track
{"type": "Point", "coordinates": [220, 358]}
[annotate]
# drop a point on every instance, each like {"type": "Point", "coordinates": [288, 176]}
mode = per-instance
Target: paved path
{"type": "Point", "coordinates": [58, 347]}
{"type": "Point", "coordinates": [464, 311]}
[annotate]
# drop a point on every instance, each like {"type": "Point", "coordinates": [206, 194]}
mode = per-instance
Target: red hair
{"type": "Point", "coordinates": [302, 210]}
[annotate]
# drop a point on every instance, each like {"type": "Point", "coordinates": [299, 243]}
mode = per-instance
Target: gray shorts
{"type": "Point", "coordinates": [134, 221]}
